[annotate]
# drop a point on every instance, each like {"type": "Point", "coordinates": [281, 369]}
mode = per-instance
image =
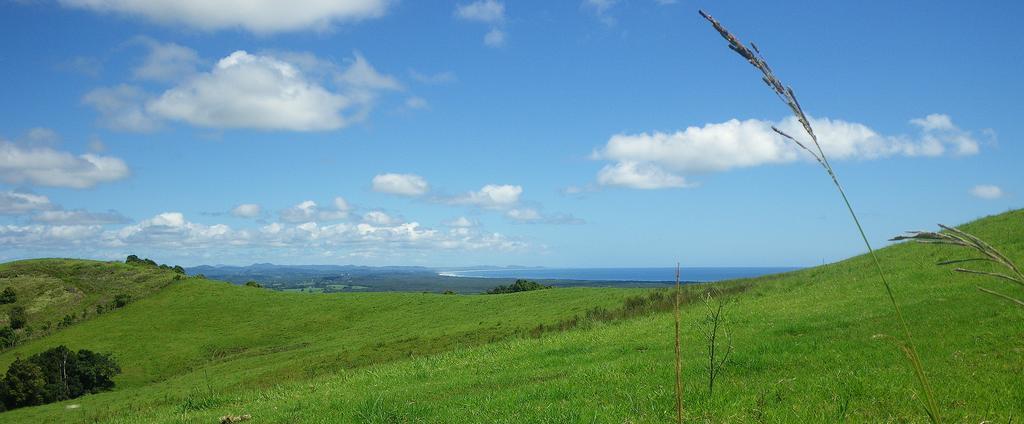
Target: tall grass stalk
{"type": "Point", "coordinates": [785, 93]}
{"type": "Point", "coordinates": [955, 237]}
{"type": "Point", "coordinates": [679, 359]}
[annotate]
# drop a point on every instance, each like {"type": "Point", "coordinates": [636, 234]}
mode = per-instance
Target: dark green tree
{"type": "Point", "coordinates": [8, 296]}
{"type": "Point", "coordinates": [253, 284]}
{"type": "Point", "coordinates": [24, 384]}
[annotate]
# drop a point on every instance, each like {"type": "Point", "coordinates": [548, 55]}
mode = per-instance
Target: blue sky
{"type": "Point", "coordinates": [593, 133]}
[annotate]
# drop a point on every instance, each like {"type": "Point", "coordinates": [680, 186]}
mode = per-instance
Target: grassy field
{"type": "Point", "coordinates": [810, 346]}
{"type": "Point", "coordinates": [50, 289]}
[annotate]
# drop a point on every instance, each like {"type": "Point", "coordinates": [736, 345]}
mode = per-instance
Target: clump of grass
{"type": "Point", "coordinates": [989, 254]}
{"type": "Point", "coordinates": [785, 93]}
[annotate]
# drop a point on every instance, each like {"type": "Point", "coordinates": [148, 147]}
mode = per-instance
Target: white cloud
{"type": "Point", "coordinates": [258, 16]}
{"type": "Point", "coordinates": [644, 176]}
{"type": "Point", "coordinates": [523, 214]}
{"type": "Point", "coordinates": [80, 217]}
{"type": "Point", "coordinates": [308, 211]}
{"type": "Point", "coordinates": [986, 191]}
{"type": "Point", "coordinates": [247, 210]}
{"type": "Point", "coordinates": [400, 184]}
{"type": "Point", "coordinates": [361, 74]}
{"type": "Point", "coordinates": [15, 203]}
{"type": "Point", "coordinates": [282, 91]}
{"type": "Point", "coordinates": [252, 91]}
{"type": "Point", "coordinates": [49, 167]}
{"type": "Point", "coordinates": [494, 38]}
{"type": "Point", "coordinates": [487, 11]}
{"type": "Point", "coordinates": [378, 218]}
{"type": "Point", "coordinates": [166, 61]}
{"type": "Point", "coordinates": [658, 160]}
{"type": "Point", "coordinates": [492, 196]}
{"type": "Point", "coordinates": [122, 108]}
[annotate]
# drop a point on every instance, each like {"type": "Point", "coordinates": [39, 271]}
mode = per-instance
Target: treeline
{"type": "Point", "coordinates": [518, 286]}
{"type": "Point", "coordinates": [135, 260]}
{"type": "Point", "coordinates": [55, 375]}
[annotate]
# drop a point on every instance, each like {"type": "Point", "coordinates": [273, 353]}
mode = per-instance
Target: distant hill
{"type": "Point", "coordinates": [51, 290]}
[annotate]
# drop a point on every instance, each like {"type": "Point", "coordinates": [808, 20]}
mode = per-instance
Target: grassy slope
{"type": "Point", "coordinates": [49, 289]}
{"type": "Point", "coordinates": [197, 336]}
{"type": "Point", "coordinates": [810, 346]}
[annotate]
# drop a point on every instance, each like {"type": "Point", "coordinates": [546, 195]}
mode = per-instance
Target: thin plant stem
{"type": "Point", "coordinates": [679, 366]}
{"type": "Point", "coordinates": [787, 96]}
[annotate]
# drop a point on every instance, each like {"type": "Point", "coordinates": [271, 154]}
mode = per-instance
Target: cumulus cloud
{"type": "Point", "coordinates": [378, 218]}
{"type": "Point", "coordinates": [401, 184]}
{"type": "Point", "coordinates": [258, 16]}
{"type": "Point", "coordinates": [281, 91]}
{"type": "Point", "coordinates": [247, 210]}
{"type": "Point", "coordinates": [661, 160]}
{"type": "Point", "coordinates": [492, 196]}
{"type": "Point", "coordinates": [15, 203]}
{"type": "Point", "coordinates": [252, 91]}
{"type": "Point", "coordinates": [309, 211]}
{"type": "Point", "coordinates": [644, 176]}
{"type": "Point", "coordinates": [48, 167]}
{"type": "Point", "coordinates": [986, 191]}
{"type": "Point", "coordinates": [376, 232]}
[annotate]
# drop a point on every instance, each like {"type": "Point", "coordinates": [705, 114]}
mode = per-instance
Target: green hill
{"type": "Point", "coordinates": [809, 346]}
{"type": "Point", "coordinates": [51, 289]}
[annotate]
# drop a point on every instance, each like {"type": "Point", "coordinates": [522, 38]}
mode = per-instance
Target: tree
{"type": "Point", "coordinates": [17, 317]}
{"type": "Point", "coordinates": [178, 269]}
{"type": "Point", "coordinates": [23, 384]}
{"type": "Point", "coordinates": [8, 296]}
{"type": "Point", "coordinates": [253, 284]}
{"type": "Point", "coordinates": [518, 286]}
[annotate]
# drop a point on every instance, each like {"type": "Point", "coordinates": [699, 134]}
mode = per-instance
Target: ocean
{"type": "Point", "coordinates": [701, 274]}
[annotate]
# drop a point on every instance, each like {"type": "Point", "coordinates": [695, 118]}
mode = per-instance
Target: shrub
{"type": "Point", "coordinates": [8, 338]}
{"type": "Point", "coordinates": [518, 286]}
{"type": "Point", "coordinates": [253, 284]}
{"type": "Point", "coordinates": [8, 296]}
{"type": "Point", "coordinates": [17, 317]}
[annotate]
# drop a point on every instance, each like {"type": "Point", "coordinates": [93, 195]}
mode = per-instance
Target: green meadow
{"type": "Point", "coordinates": [815, 345]}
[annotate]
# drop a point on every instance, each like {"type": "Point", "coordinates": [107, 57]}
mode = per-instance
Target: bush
{"type": "Point", "coordinates": [8, 338]}
{"type": "Point", "coordinates": [8, 296]}
{"type": "Point", "coordinates": [253, 284]}
{"type": "Point", "coordinates": [55, 375]}
{"type": "Point", "coordinates": [17, 317]}
{"type": "Point", "coordinates": [518, 286]}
